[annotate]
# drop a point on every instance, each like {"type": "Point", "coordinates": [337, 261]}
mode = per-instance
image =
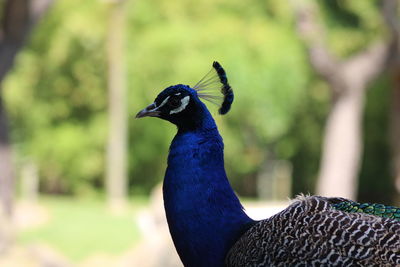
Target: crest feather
{"type": "Point", "coordinates": [215, 80]}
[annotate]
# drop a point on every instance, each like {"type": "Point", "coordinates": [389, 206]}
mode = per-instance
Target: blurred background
{"type": "Point", "coordinates": [316, 111]}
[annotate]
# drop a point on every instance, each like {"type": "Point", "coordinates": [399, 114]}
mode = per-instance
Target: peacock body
{"type": "Point", "coordinates": [312, 232]}
{"type": "Point", "coordinates": [209, 226]}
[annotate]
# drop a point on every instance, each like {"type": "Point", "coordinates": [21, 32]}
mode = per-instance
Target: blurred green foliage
{"type": "Point", "coordinates": [57, 94]}
{"type": "Point", "coordinates": [57, 97]}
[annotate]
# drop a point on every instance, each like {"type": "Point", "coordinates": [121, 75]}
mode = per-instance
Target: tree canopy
{"type": "Point", "coordinates": [57, 93]}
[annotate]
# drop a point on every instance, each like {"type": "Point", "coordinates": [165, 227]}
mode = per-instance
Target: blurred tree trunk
{"type": "Point", "coordinates": [17, 20]}
{"type": "Point", "coordinates": [29, 182]}
{"type": "Point", "coordinates": [6, 170]}
{"type": "Point", "coordinates": [348, 80]}
{"type": "Point", "coordinates": [116, 176]}
{"type": "Point", "coordinates": [395, 131]}
{"type": "Point", "coordinates": [6, 181]}
{"type": "Point", "coordinates": [390, 12]}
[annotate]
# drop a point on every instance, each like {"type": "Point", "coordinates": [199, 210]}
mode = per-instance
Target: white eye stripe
{"type": "Point", "coordinates": [184, 103]}
{"type": "Point", "coordinates": [164, 102]}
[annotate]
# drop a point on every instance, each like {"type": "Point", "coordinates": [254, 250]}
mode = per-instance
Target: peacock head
{"type": "Point", "coordinates": [177, 104]}
{"type": "Point", "coordinates": [181, 104]}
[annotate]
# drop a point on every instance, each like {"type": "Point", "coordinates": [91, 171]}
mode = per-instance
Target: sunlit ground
{"type": "Point", "coordinates": [82, 227]}
{"type": "Point", "coordinates": [83, 232]}
{"type": "Point", "coordinates": [73, 232]}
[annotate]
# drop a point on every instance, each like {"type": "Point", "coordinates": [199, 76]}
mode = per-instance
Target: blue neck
{"type": "Point", "coordinates": [204, 215]}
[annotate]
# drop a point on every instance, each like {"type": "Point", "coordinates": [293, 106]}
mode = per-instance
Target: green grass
{"type": "Point", "coordinates": [79, 228]}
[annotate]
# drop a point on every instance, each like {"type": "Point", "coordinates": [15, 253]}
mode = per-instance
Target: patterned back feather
{"type": "Point", "coordinates": [311, 232]}
{"type": "Point", "coordinates": [368, 208]}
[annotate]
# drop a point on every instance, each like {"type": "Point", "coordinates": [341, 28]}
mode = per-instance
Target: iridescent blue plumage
{"type": "Point", "coordinates": [204, 215]}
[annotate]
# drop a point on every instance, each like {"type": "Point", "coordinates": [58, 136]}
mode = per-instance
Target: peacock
{"type": "Point", "coordinates": [208, 224]}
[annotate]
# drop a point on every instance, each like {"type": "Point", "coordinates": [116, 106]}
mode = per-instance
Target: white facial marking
{"type": "Point", "coordinates": [184, 103]}
{"type": "Point", "coordinates": [178, 94]}
{"type": "Point", "coordinates": [164, 102]}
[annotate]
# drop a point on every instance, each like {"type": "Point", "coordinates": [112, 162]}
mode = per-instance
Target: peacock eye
{"type": "Point", "coordinates": [174, 102]}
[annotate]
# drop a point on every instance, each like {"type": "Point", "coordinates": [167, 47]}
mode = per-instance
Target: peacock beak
{"type": "Point", "coordinates": [149, 111]}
